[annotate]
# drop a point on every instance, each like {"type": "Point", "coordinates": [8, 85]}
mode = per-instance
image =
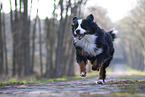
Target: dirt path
{"type": "Point", "coordinates": [122, 84]}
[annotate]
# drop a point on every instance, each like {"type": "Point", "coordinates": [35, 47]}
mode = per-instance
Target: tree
{"type": "Point", "coordinates": [132, 34]}
{"type": "Point", "coordinates": [61, 32]}
{"type": "Point", "coordinates": [26, 36]}
{"type": "Point", "coordinates": [40, 47]}
{"type": "Point", "coordinates": [50, 39]}
{"type": "Point", "coordinates": [20, 28]}
{"type": "Point", "coordinates": [33, 44]}
{"type": "Point", "coordinates": [5, 46]}
{"type": "Point", "coordinates": [1, 43]}
{"type": "Point", "coordinates": [101, 17]}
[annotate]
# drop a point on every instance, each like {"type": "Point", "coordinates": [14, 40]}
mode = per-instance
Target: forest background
{"type": "Point", "coordinates": [31, 46]}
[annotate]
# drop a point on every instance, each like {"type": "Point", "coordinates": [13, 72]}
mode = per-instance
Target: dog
{"type": "Point", "coordinates": [94, 44]}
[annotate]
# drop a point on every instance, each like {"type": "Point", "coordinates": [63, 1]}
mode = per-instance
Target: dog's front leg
{"type": "Point", "coordinates": [82, 61]}
{"type": "Point", "coordinates": [82, 69]}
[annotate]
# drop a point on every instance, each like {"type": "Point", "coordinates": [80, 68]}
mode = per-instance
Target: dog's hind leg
{"type": "Point", "coordinates": [102, 71]}
{"type": "Point", "coordinates": [105, 65]}
{"type": "Point", "coordinates": [94, 65]}
{"type": "Point", "coordinates": [107, 62]}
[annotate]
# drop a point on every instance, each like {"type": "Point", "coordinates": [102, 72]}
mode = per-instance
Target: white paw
{"type": "Point", "coordinates": [105, 81]}
{"type": "Point", "coordinates": [100, 81]}
{"type": "Point", "coordinates": [83, 74]}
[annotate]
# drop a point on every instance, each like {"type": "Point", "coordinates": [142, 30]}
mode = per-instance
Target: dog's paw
{"type": "Point", "coordinates": [105, 81]}
{"type": "Point", "coordinates": [83, 74]}
{"type": "Point", "coordinates": [100, 81]}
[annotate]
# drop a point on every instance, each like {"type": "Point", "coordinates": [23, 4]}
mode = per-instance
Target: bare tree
{"type": "Point", "coordinates": [12, 30]}
{"type": "Point", "coordinates": [50, 41]}
{"type": "Point", "coordinates": [5, 45]}
{"type": "Point", "coordinates": [20, 28]}
{"type": "Point", "coordinates": [26, 34]}
{"type": "Point", "coordinates": [133, 35]}
{"type": "Point", "coordinates": [33, 43]}
{"type": "Point", "coordinates": [1, 43]}
{"type": "Point", "coordinates": [40, 46]}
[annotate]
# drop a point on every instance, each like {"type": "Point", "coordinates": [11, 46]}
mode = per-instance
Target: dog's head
{"type": "Point", "coordinates": [82, 27]}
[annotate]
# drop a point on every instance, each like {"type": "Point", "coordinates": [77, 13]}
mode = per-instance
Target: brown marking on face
{"type": "Point", "coordinates": [88, 32]}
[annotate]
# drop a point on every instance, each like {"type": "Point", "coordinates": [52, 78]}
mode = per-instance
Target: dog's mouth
{"type": "Point", "coordinates": [80, 36]}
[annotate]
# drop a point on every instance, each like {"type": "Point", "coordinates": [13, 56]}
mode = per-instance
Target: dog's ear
{"type": "Point", "coordinates": [75, 19]}
{"type": "Point", "coordinates": [90, 17]}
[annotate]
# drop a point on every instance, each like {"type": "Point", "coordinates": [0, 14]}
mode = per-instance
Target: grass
{"type": "Point", "coordinates": [45, 80]}
{"type": "Point", "coordinates": [135, 72]}
{"type": "Point", "coordinates": [88, 75]}
{"type": "Point", "coordinates": [91, 74]}
{"type": "Point", "coordinates": [124, 94]}
{"type": "Point", "coordinates": [14, 81]}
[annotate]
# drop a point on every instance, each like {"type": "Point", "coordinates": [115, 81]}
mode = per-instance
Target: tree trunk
{"type": "Point", "coordinates": [47, 39]}
{"type": "Point", "coordinates": [71, 64]}
{"type": "Point", "coordinates": [17, 41]}
{"type": "Point", "coordinates": [26, 35]}
{"type": "Point", "coordinates": [1, 44]}
{"type": "Point", "coordinates": [33, 44]}
{"type": "Point", "coordinates": [5, 46]}
{"type": "Point", "coordinates": [60, 42]}
{"type": "Point", "coordinates": [40, 47]}
{"type": "Point", "coordinates": [12, 30]}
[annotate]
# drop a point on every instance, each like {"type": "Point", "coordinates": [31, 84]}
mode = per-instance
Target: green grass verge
{"type": "Point", "coordinates": [135, 72]}
{"type": "Point", "coordinates": [88, 75]}
{"type": "Point", "coordinates": [14, 81]}
{"type": "Point", "coordinates": [91, 74]}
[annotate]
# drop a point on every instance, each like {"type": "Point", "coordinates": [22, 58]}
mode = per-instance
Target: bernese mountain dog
{"type": "Point", "coordinates": [94, 44]}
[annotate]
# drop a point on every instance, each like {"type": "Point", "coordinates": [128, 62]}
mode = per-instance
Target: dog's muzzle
{"type": "Point", "coordinates": [80, 36]}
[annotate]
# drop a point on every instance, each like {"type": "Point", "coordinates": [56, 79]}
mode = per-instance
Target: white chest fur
{"type": "Point", "coordinates": [88, 45]}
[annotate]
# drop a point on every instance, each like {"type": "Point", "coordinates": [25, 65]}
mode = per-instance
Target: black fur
{"type": "Point", "coordinates": [103, 41]}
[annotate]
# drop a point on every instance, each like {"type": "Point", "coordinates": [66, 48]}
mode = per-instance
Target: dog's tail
{"type": "Point", "coordinates": [113, 34]}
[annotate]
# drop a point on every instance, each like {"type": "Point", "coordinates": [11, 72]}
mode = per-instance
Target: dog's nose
{"type": "Point", "coordinates": [78, 31]}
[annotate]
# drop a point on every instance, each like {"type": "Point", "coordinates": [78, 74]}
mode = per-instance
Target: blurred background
{"type": "Point", "coordinates": [36, 39]}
